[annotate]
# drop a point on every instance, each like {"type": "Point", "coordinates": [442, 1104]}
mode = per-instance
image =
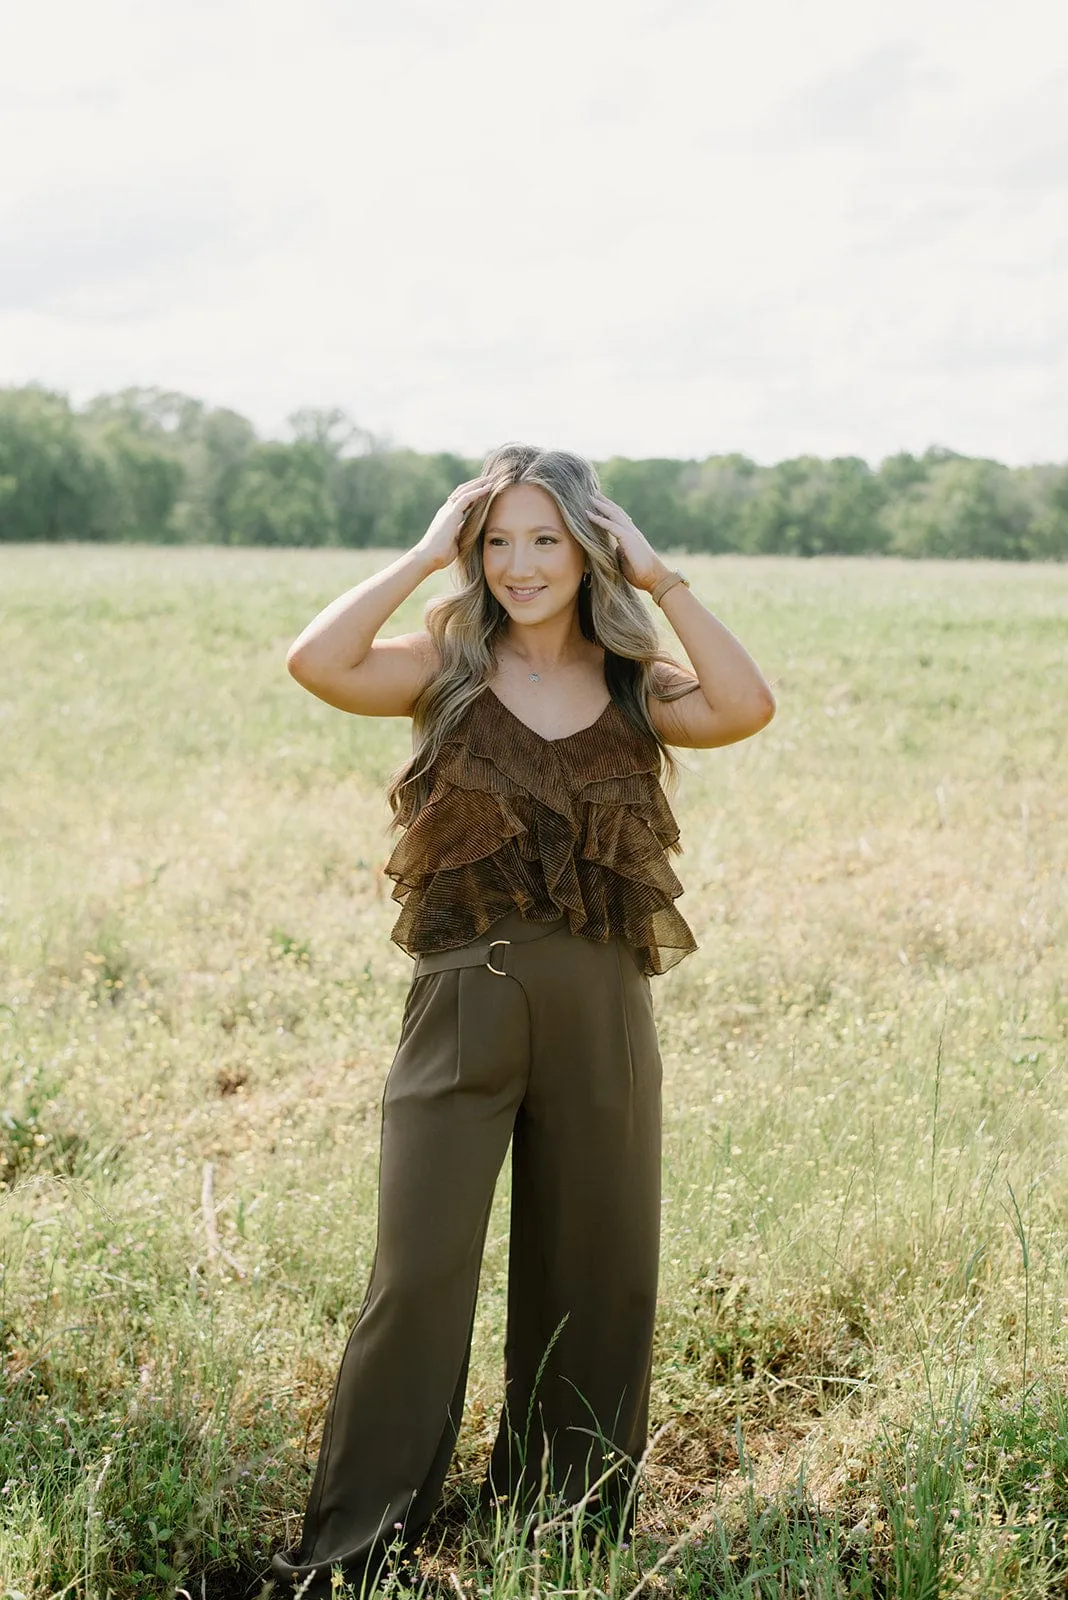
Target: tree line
{"type": "Point", "coordinates": [156, 466]}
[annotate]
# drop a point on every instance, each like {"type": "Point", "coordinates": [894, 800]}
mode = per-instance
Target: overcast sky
{"type": "Point", "coordinates": [614, 226]}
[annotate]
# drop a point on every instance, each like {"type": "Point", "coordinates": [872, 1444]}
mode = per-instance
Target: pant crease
{"type": "Point", "coordinates": [562, 1062]}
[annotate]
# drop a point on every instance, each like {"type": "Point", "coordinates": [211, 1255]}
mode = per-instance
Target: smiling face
{"type": "Point", "coordinates": [533, 565]}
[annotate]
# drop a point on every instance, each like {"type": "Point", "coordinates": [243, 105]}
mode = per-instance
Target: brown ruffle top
{"type": "Point", "coordinates": [577, 826]}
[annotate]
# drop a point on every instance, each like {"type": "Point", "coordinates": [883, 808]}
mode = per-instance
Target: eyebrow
{"type": "Point", "coordinates": [545, 527]}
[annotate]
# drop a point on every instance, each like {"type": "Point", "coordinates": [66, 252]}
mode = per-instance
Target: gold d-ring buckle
{"type": "Point", "coordinates": [497, 971]}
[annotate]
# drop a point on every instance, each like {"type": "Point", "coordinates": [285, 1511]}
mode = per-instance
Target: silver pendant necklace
{"type": "Point", "coordinates": [532, 677]}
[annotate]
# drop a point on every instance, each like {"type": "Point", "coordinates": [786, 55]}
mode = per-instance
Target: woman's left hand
{"type": "Point", "coordinates": [638, 561]}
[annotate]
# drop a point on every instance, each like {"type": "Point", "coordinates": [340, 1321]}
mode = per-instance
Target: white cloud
{"type": "Point", "coordinates": [865, 101]}
{"type": "Point", "coordinates": [637, 228]}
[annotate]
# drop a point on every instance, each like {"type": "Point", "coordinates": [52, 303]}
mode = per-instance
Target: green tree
{"type": "Point", "coordinates": [964, 508]}
{"type": "Point", "coordinates": [652, 493]}
{"type": "Point", "coordinates": [143, 484]}
{"type": "Point", "coordinates": [215, 447]}
{"type": "Point", "coordinates": [901, 472]}
{"type": "Point", "coordinates": [853, 504]}
{"type": "Point", "coordinates": [156, 464]}
{"type": "Point", "coordinates": [807, 507]}
{"type": "Point", "coordinates": [1045, 488]}
{"type": "Point", "coordinates": [388, 497]}
{"type": "Point", "coordinates": [209, 445]}
{"type": "Point", "coordinates": [52, 483]}
{"type": "Point", "coordinates": [715, 493]}
{"type": "Point", "coordinates": [132, 437]}
{"type": "Point", "coordinates": [331, 430]}
{"type": "Point", "coordinates": [282, 498]}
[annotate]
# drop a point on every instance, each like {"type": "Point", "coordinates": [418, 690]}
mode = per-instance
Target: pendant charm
{"type": "Point", "coordinates": [535, 677]}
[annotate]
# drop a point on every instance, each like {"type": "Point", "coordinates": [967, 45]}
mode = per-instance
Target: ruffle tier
{"type": "Point", "coordinates": [576, 826]}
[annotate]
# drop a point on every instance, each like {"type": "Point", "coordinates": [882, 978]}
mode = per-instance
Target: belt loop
{"type": "Point", "coordinates": [497, 971]}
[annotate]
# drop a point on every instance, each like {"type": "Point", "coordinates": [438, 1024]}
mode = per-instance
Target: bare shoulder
{"type": "Point", "coordinates": [424, 650]}
{"type": "Point", "coordinates": [404, 665]}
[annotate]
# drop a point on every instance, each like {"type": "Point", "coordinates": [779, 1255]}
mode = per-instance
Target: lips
{"type": "Point", "coordinates": [525, 594]}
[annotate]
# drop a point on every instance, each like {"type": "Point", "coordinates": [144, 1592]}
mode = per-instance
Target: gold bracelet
{"type": "Point", "coordinates": [661, 589]}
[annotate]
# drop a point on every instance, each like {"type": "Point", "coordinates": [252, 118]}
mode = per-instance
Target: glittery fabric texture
{"type": "Point", "coordinates": [578, 826]}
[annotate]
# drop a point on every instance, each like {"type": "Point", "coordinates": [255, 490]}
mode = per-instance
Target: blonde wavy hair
{"type": "Point", "coordinates": [464, 626]}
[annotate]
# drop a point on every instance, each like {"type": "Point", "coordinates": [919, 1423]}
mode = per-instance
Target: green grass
{"type": "Point", "coordinates": [860, 1364]}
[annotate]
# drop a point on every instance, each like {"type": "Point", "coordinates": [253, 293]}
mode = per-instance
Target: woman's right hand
{"type": "Point", "coordinates": [440, 542]}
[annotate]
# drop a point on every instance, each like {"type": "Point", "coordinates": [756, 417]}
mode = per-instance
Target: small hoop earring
{"type": "Point", "coordinates": [587, 577]}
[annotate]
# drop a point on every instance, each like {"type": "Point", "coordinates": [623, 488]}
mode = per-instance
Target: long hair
{"type": "Point", "coordinates": [464, 626]}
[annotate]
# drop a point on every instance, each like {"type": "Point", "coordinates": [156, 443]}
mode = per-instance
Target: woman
{"type": "Point", "coordinates": [537, 898]}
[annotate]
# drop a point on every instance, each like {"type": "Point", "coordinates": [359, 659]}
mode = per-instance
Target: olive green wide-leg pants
{"type": "Point", "coordinates": [535, 1036]}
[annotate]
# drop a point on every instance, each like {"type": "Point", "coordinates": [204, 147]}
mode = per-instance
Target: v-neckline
{"type": "Point", "coordinates": [563, 738]}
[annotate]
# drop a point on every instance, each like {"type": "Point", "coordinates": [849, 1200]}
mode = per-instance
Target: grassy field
{"type": "Point", "coordinates": [860, 1368]}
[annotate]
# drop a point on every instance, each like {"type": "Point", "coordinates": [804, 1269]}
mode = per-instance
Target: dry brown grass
{"type": "Point", "coordinates": [863, 1061]}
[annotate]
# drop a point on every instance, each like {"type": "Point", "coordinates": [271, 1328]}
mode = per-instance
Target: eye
{"type": "Point", "coordinates": [495, 539]}
{"type": "Point", "coordinates": [548, 537]}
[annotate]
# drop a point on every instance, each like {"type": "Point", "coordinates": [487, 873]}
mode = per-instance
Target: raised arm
{"type": "Point", "coordinates": [729, 699]}
{"type": "Point", "coordinates": [338, 657]}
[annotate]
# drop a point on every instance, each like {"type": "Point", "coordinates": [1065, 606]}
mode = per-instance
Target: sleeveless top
{"type": "Point", "coordinates": [577, 826]}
